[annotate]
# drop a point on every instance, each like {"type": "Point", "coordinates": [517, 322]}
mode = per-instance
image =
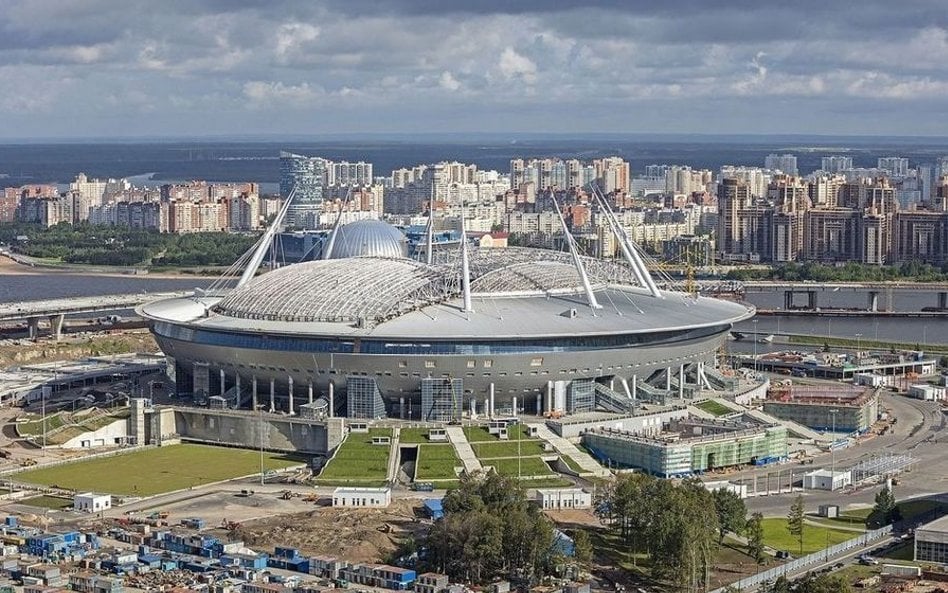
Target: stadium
{"type": "Point", "coordinates": [367, 332]}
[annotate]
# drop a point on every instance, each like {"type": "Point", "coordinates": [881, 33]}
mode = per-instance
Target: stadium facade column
{"type": "Point", "coordinates": [681, 381]}
{"type": "Point", "coordinates": [514, 406]}
{"type": "Point", "coordinates": [668, 378]}
{"type": "Point", "coordinates": [272, 395]}
{"type": "Point", "coordinates": [549, 396]}
{"type": "Point", "coordinates": [635, 381]}
{"type": "Point", "coordinates": [309, 391]}
{"type": "Point", "coordinates": [253, 388]}
{"type": "Point", "coordinates": [491, 411]}
{"type": "Point", "coordinates": [223, 382]}
{"type": "Point", "coordinates": [290, 392]}
{"type": "Point", "coordinates": [539, 404]}
{"type": "Point", "coordinates": [237, 387]}
{"type": "Point", "coordinates": [332, 399]}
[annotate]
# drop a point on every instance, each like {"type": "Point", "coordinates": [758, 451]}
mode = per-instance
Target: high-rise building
{"type": "Point", "coordinates": [836, 163]}
{"type": "Point", "coordinates": [920, 236]}
{"type": "Point", "coordinates": [830, 234]}
{"type": "Point", "coordinates": [309, 176]}
{"type": "Point", "coordinates": [895, 165]}
{"type": "Point", "coordinates": [785, 163]}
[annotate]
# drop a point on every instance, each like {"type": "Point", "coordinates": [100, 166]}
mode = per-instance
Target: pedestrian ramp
{"type": "Point", "coordinates": [463, 448]}
{"type": "Point", "coordinates": [564, 447]}
{"type": "Point", "coordinates": [393, 457]}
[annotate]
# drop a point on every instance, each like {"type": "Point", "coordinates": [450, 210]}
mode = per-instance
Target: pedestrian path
{"type": "Point", "coordinates": [463, 448]}
{"type": "Point", "coordinates": [564, 447]}
{"type": "Point", "coordinates": [393, 457]}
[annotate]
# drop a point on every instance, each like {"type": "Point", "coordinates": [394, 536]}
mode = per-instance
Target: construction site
{"type": "Point", "coordinates": [834, 408]}
{"type": "Point", "coordinates": [690, 445]}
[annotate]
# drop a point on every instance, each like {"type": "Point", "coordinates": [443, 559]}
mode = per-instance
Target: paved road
{"type": "Point", "coordinates": [919, 432]}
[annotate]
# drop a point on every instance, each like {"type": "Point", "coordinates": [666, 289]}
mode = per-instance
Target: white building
{"type": "Point", "coordinates": [738, 489]}
{"type": "Point", "coordinates": [91, 502]}
{"type": "Point", "coordinates": [824, 479]}
{"type": "Point", "coordinates": [362, 497]}
{"type": "Point", "coordinates": [927, 392]}
{"type": "Point", "coordinates": [555, 499]}
{"type": "Point", "coordinates": [931, 542]}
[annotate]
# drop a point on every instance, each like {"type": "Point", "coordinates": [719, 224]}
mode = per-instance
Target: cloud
{"type": "Point", "coordinates": [514, 65]}
{"type": "Point", "coordinates": [183, 66]}
{"type": "Point", "coordinates": [448, 82]}
{"type": "Point", "coordinates": [263, 93]}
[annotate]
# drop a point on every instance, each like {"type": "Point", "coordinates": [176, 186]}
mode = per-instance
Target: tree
{"type": "Point", "coordinates": [755, 538]}
{"type": "Point", "coordinates": [780, 585]}
{"type": "Point", "coordinates": [796, 518]}
{"type": "Point", "coordinates": [731, 511]}
{"type": "Point", "coordinates": [582, 548]}
{"type": "Point", "coordinates": [885, 511]}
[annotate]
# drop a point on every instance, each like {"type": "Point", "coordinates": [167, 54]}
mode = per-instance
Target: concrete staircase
{"type": "Point", "coordinates": [463, 448]}
{"type": "Point", "coordinates": [393, 457]}
{"type": "Point", "coordinates": [564, 447]}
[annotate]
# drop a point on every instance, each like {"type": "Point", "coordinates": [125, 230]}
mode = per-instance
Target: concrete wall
{"type": "Point", "coordinates": [642, 422]}
{"type": "Point", "coordinates": [103, 437]}
{"type": "Point", "coordinates": [246, 429]}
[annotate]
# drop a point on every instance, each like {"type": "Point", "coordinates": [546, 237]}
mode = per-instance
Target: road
{"type": "Point", "coordinates": [919, 429]}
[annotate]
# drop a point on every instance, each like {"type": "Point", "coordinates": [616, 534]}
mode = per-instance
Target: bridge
{"type": "Point", "coordinates": [55, 310]}
{"type": "Point", "coordinates": [873, 290]}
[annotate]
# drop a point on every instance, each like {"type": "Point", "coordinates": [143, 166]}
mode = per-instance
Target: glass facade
{"type": "Point", "coordinates": [259, 341]}
{"type": "Point", "coordinates": [441, 399]}
{"type": "Point", "coordinates": [363, 398]}
{"type": "Point", "coordinates": [308, 174]}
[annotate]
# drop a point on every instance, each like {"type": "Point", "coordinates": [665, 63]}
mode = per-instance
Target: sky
{"type": "Point", "coordinates": [195, 68]}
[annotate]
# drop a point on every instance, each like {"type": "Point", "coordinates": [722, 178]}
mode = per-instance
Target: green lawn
{"type": "Point", "coordinates": [814, 538]}
{"type": "Point", "coordinates": [478, 434]}
{"type": "Point", "coordinates": [413, 435]}
{"type": "Point", "coordinates": [496, 449]}
{"type": "Point", "coordinates": [358, 460]}
{"type": "Point", "coordinates": [155, 471]}
{"type": "Point", "coordinates": [53, 503]}
{"type": "Point", "coordinates": [34, 428]}
{"type": "Point", "coordinates": [436, 462]}
{"type": "Point", "coordinates": [527, 466]}
{"type": "Point", "coordinates": [571, 463]}
{"type": "Point", "coordinates": [713, 407]}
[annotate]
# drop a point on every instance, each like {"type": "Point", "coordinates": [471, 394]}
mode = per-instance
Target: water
{"type": "Point", "coordinates": [31, 287]}
{"type": "Point", "coordinates": [259, 160]}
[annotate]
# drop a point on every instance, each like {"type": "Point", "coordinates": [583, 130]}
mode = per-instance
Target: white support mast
{"type": "Point", "coordinates": [429, 232]}
{"type": "Point", "coordinates": [265, 241]}
{"type": "Point", "coordinates": [577, 260]}
{"type": "Point", "coordinates": [629, 249]}
{"type": "Point", "coordinates": [327, 252]}
{"type": "Point", "coordinates": [465, 266]}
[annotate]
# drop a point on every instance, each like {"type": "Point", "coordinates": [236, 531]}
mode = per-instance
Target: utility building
{"type": "Point", "coordinates": [362, 497]}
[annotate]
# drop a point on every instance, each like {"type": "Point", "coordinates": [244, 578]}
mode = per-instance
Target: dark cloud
{"type": "Point", "coordinates": [257, 66]}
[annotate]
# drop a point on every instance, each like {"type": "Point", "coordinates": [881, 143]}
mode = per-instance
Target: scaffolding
{"type": "Point", "coordinates": [363, 398]}
{"type": "Point", "coordinates": [879, 467]}
{"type": "Point", "coordinates": [441, 399]}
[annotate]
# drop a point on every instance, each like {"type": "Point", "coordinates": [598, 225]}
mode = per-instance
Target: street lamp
{"type": "Point", "coordinates": [833, 413]}
{"type": "Point", "coordinates": [260, 438]}
{"type": "Point", "coordinates": [858, 347]}
{"type": "Point", "coordinates": [756, 338]}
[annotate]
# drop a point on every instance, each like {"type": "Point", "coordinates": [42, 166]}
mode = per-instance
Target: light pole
{"type": "Point", "coordinates": [756, 338]}
{"type": "Point", "coordinates": [833, 413]}
{"type": "Point", "coordinates": [260, 438]}
{"type": "Point", "coordinates": [858, 347]}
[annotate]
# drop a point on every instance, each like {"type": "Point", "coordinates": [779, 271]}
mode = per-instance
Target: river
{"type": "Point", "coordinates": [24, 284]}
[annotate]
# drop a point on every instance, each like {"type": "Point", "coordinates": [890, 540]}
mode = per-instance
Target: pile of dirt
{"type": "Point", "coordinates": [358, 535]}
{"type": "Point", "coordinates": [74, 348]}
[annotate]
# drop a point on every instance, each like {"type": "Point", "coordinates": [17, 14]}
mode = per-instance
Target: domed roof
{"type": "Point", "coordinates": [369, 238]}
{"type": "Point", "coordinates": [360, 289]}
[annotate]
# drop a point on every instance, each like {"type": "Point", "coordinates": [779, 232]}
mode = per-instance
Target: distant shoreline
{"type": "Point", "coordinates": [9, 266]}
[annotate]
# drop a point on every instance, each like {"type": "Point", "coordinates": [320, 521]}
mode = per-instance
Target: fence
{"type": "Point", "coordinates": [816, 558]}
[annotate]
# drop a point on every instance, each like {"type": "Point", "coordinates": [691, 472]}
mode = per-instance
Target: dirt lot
{"type": "Point", "coordinates": [75, 347]}
{"type": "Point", "coordinates": [353, 534]}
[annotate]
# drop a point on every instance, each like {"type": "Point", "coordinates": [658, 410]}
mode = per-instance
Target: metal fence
{"type": "Point", "coordinates": [814, 559]}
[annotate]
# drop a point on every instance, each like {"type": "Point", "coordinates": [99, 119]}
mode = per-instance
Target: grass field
{"type": "Point", "coordinates": [436, 462]}
{"type": "Point", "coordinates": [571, 463]}
{"type": "Point", "coordinates": [413, 435]}
{"type": "Point", "coordinates": [496, 449]}
{"type": "Point", "coordinates": [713, 407]}
{"type": "Point", "coordinates": [814, 538]}
{"type": "Point", "coordinates": [53, 503]}
{"type": "Point", "coordinates": [528, 466]}
{"type": "Point", "coordinates": [358, 461]}
{"type": "Point", "coordinates": [154, 471]}
{"type": "Point", "coordinates": [34, 427]}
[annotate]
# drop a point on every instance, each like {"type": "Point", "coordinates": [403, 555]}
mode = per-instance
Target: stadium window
{"type": "Point", "coordinates": [430, 364]}
{"type": "Point", "coordinates": [518, 374]}
{"type": "Point", "coordinates": [471, 364]}
{"type": "Point", "coordinates": [536, 362]}
{"type": "Point", "coordinates": [402, 364]}
{"type": "Point", "coordinates": [488, 364]}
